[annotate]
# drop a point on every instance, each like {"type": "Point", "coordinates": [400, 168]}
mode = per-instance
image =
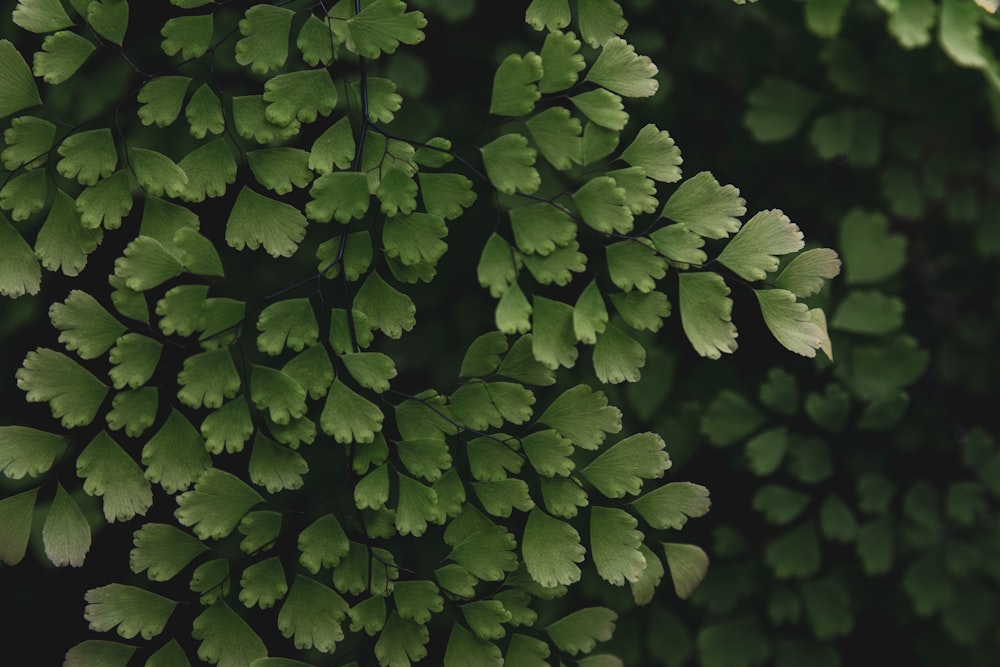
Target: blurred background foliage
{"type": "Point", "coordinates": [853, 503]}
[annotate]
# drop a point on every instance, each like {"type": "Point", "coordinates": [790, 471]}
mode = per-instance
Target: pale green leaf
{"type": "Point", "coordinates": [40, 16]}
{"type": "Point", "coordinates": [212, 580]}
{"type": "Point", "coordinates": [561, 62]}
{"type": "Point", "coordinates": [635, 264]}
{"type": "Point", "coordinates": [790, 322]}
{"type": "Point", "coordinates": [960, 33]}
{"type": "Point", "coordinates": [180, 309]}
{"type": "Point", "coordinates": [88, 156]}
{"type": "Point", "coordinates": [501, 497]}
{"type": "Point", "coordinates": [487, 553]}
{"type": "Point", "coordinates": [312, 615]}
{"type": "Point", "coordinates": [156, 173]}
{"type": "Point", "coordinates": [316, 42]}
{"type": "Point", "coordinates": [520, 364]}
{"type": "Point", "coordinates": [446, 195]}
{"type": "Point", "coordinates": [256, 221]}
{"type": "Point", "coordinates": [62, 54]}
{"type": "Point", "coordinates": [288, 323]}
{"type": "Point", "coordinates": [640, 192]}
{"type": "Point", "coordinates": [162, 551]}
{"type": "Point", "coordinates": [20, 272]}
{"type": "Point", "coordinates": [190, 36]}
{"type": "Point", "coordinates": [527, 651]}
{"type": "Point", "coordinates": [644, 588]}
{"type": "Point", "coordinates": [280, 169]}
{"type": "Point", "coordinates": [381, 26]}
{"type": "Point", "coordinates": [371, 370]}
{"type": "Point", "coordinates": [515, 85]}
{"type": "Point", "coordinates": [28, 451]}
{"type": "Point", "coordinates": [496, 269]}
{"type": "Point", "coordinates": [161, 99]}
{"type": "Point", "coordinates": [216, 504]}
{"type": "Point", "coordinates": [688, 565]}
{"type": "Point", "coordinates": [509, 163]}
{"type": "Point", "coordinates": [275, 467]}
{"type": "Point", "coordinates": [655, 151]}
{"type": "Point", "coordinates": [549, 453]}
{"type": "Point", "coordinates": [553, 339]}
{"type": "Point", "coordinates": [72, 392]}
{"type": "Point", "coordinates": [207, 378]}
{"type": "Point", "coordinates": [604, 108]}
{"type": "Point", "coordinates": [617, 356]}
{"type": "Point", "coordinates": [204, 113]}
{"type": "Point", "coordinates": [621, 70]}
{"type": "Point", "coordinates": [550, 14]}
{"type": "Point", "coordinates": [614, 544]}
{"type": "Point", "coordinates": [622, 468]}
{"type": "Point", "coordinates": [340, 195]}
{"type": "Point", "coordinates": [401, 641]}
{"type": "Point", "coordinates": [583, 416]}
{"type": "Point", "coordinates": [334, 148]}
{"type": "Point", "coordinates": [752, 253]}
{"type": "Point", "coordinates": [28, 140]}
{"type": "Point", "coordinates": [133, 410]}
{"type": "Point", "coordinates": [806, 274]}
{"type": "Point", "coordinates": [84, 325]}
{"type": "Point", "coordinates": [25, 194]}
{"type": "Point", "coordinates": [558, 266]}
{"type": "Point", "coordinates": [15, 525]}
{"type": "Point", "coordinates": [99, 652]}
{"type": "Point", "coordinates": [705, 207]}
{"type": "Point", "coordinates": [871, 254]}
{"type": "Point", "coordinates": [146, 264]}
{"type": "Point", "coordinates": [706, 313]}
{"type": "Point", "coordinates": [551, 550]}
{"type": "Point", "coordinates": [777, 108]}
{"type": "Point", "coordinates": [175, 456]}
{"type": "Point", "coordinates": [387, 309]}
{"type": "Point", "coordinates": [265, 30]}
{"type": "Point", "coordinates": [415, 238]}
{"type": "Point", "coordinates": [580, 631]}
{"type": "Point", "coordinates": [130, 609]}
{"type": "Point", "coordinates": [642, 310]}
{"type": "Point", "coordinates": [911, 22]}
{"type": "Point", "coordinates": [299, 96]}
{"type": "Point", "coordinates": [228, 428]}
{"type": "Point", "coordinates": [322, 544]}
{"type": "Point", "coordinates": [66, 533]}
{"type": "Point", "coordinates": [17, 86]}
{"type": "Point", "coordinates": [602, 205]}
{"type": "Point", "coordinates": [263, 583]}
{"type": "Point", "coordinates": [558, 136]}
{"type": "Point", "coordinates": [226, 639]}
{"type": "Point", "coordinates": [250, 120]}
{"type": "Point", "coordinates": [348, 417]}
{"type": "Point", "coordinates": [106, 203]}
{"type": "Point", "coordinates": [109, 18]}
{"type": "Point", "coordinates": [670, 506]}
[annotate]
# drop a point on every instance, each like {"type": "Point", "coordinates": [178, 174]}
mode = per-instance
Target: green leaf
{"type": "Point", "coordinates": [371, 370]}
{"type": "Point", "coordinates": [509, 163]}
{"type": "Point", "coordinates": [806, 274]}
{"type": "Point", "coordinates": [261, 529]}
{"type": "Point", "coordinates": [348, 417]}
{"type": "Point", "coordinates": [705, 207]}
{"type": "Point", "coordinates": [622, 468]}
{"type": "Point", "coordinates": [549, 453]}
{"type": "Point", "coordinates": [635, 264]}
{"type": "Point", "coordinates": [496, 269]}
{"type": "Point", "coordinates": [417, 506]}
{"type": "Point", "coordinates": [204, 114]}
{"type": "Point", "coordinates": [484, 355]}
{"type": "Point", "coordinates": [837, 521]}
{"type": "Point", "coordinates": [289, 323]}
{"type": "Point", "coordinates": [456, 579]}
{"type": "Point", "coordinates": [752, 253]}
{"type": "Point", "coordinates": [62, 54]}
{"type": "Point", "coordinates": [401, 641]}
{"type": "Point", "coordinates": [162, 551]}
{"type": "Point", "coordinates": [88, 156]}
{"type": "Point", "coordinates": [656, 153]}
{"type": "Point", "coordinates": [112, 474]}
{"type": "Point", "coordinates": [334, 148]}
{"type": "Point", "coordinates": [130, 609]}
{"type": "Point", "coordinates": [28, 451]}
{"type": "Point", "coordinates": [146, 264]}
{"type": "Point", "coordinates": [824, 17]}
{"type": "Point", "coordinates": [368, 614]}
{"type": "Point", "coordinates": [491, 459]}
{"type": "Point", "coordinates": [265, 30]}
{"type": "Point", "coordinates": [959, 33]}
{"type": "Point", "coordinates": [263, 583]}
{"type": "Point", "coordinates": [670, 506]}
{"type": "Point", "coordinates": [15, 525]}
{"type": "Point", "coordinates": [84, 325]}
{"type": "Point", "coordinates": [17, 86]}
{"type": "Point", "coordinates": [553, 340]}
{"type": "Point", "coordinates": [175, 456]}
{"type": "Point", "coordinates": [642, 310]}
{"type": "Point", "coordinates": [706, 313]}
{"type": "Point", "coordinates": [156, 173]}
{"type": "Point", "coordinates": [256, 220]}
{"type": "Point", "coordinates": [341, 195]}
{"type": "Point", "coordinates": [911, 23]}
{"type": "Point", "coordinates": [65, 533]}
{"type": "Point", "coordinates": [381, 26]}
{"type": "Point", "coordinates": [868, 312]}
{"type": "Point", "coordinates": [161, 99]}
{"type": "Point", "coordinates": [99, 652]}
{"type": "Point", "coordinates": [640, 192]}
{"type": "Point", "coordinates": [20, 272]}
{"type": "Point", "coordinates": [28, 140]}
{"type": "Point", "coordinates": [180, 309]}
{"type": "Point", "coordinates": [779, 504]}
{"type": "Point", "coordinates": [644, 588]}
{"type": "Point", "coordinates": [600, 20]}
{"type": "Point", "coordinates": [250, 120]}
{"type": "Point", "coordinates": [216, 504]}
{"type": "Point", "coordinates": [550, 14]}
{"type": "Point", "coordinates": [106, 203]}
{"type": "Point", "coordinates": [299, 96]}
{"type": "Point", "coordinates": [72, 392]}
{"type": "Point", "coordinates": [583, 416]}
{"type": "Point", "coordinates": [109, 18]}
{"type": "Point", "coordinates": [851, 132]}
{"type": "Point", "coordinates": [688, 565]}
{"type": "Point", "coordinates": [486, 618]}
{"type": "Point", "coordinates": [604, 108]}
{"type": "Point", "coordinates": [500, 497]}
{"type": "Point", "coordinates": [871, 253]}
{"type": "Point", "coordinates": [415, 238]}
{"type": "Point", "coordinates": [617, 357]}
{"type": "Point", "coordinates": [619, 69]}
{"type": "Point", "coordinates": [211, 579]}
{"type": "Point", "coordinates": [417, 600]}
{"type": "Point", "coordinates": [312, 615]}
{"type": "Point", "coordinates": [446, 195]}
{"type": "Point", "coordinates": [387, 309]}
{"type": "Point", "coordinates": [551, 549]}
{"type": "Point", "coordinates": [134, 410]}
{"type": "Point", "coordinates": [590, 315]}
{"type": "Point", "coordinates": [355, 257]}
{"type": "Point", "coordinates": [207, 378]}
{"type": "Point", "coordinates": [63, 242]}
{"type": "Point", "coordinates": [515, 85]}
{"type": "Point", "coordinates": [228, 427]}
{"type": "Point", "coordinates": [40, 16]}
{"type": "Point", "coordinates": [191, 36]}
{"type": "Point", "coordinates": [558, 266]}
{"type": "Point", "coordinates": [796, 554]}
{"type": "Point", "coordinates": [777, 108]}
{"type": "Point", "coordinates": [488, 554]}
{"type": "Point", "coordinates": [322, 544]}
{"type": "Point", "coordinates": [25, 195]}
{"type": "Point", "coordinates": [766, 451]}
{"type": "Point", "coordinates": [315, 41]}
{"type": "Point", "coordinates": [602, 205]}
{"type": "Point", "coordinates": [280, 169]}
{"type": "Point", "coordinates": [614, 544]}
{"type": "Point", "coordinates": [580, 631]}
{"type": "Point", "coordinates": [225, 637]}
{"type": "Point", "coordinates": [275, 467]}
{"type": "Point", "coordinates": [790, 322]}
{"type": "Point", "coordinates": [561, 62]}
{"type": "Point", "coordinates": [312, 370]}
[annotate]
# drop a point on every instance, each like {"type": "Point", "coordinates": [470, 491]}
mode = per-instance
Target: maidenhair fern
{"type": "Point", "coordinates": [233, 389]}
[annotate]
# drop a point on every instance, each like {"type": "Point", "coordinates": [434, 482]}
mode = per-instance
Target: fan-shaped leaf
{"type": "Point", "coordinates": [580, 631]}
{"type": "Point", "coordinates": [130, 609]}
{"type": "Point", "coordinates": [107, 202]}
{"type": "Point", "coordinates": [617, 357]}
{"type": "Point", "coordinates": [40, 16]}
{"type": "Point", "coordinates": [299, 96]}
{"type": "Point", "coordinates": [402, 640]}
{"type": "Point", "coordinates": [381, 26]}
{"type": "Point", "coordinates": [20, 272]}
{"type": "Point", "coordinates": [15, 525]}
{"type": "Point", "coordinates": [583, 416]}
{"type": "Point", "coordinates": [17, 87]}
{"type": "Point", "coordinates": [551, 549]}
{"type": "Point", "coordinates": [551, 14]}
{"type": "Point", "coordinates": [622, 468]}
{"type": "Point", "coordinates": [204, 114]}
{"type": "Point", "coordinates": [790, 322]}
{"type": "Point", "coordinates": [275, 467]}
{"type": "Point", "coordinates": [62, 54]}
{"type": "Point", "coordinates": [561, 62]}
{"type": "Point", "coordinates": [602, 205]}
{"type": "Point", "coordinates": [110, 473]}
{"type": "Point", "coordinates": [706, 313]}
{"type": "Point", "coordinates": [655, 151]}
{"type": "Point", "coordinates": [509, 163]}
{"type": "Point", "coordinates": [216, 504]}
{"type": "Point", "coordinates": [265, 30]}
{"type": "Point", "coordinates": [752, 252]}
{"type": "Point", "coordinates": [28, 451]}
{"type": "Point", "coordinates": [65, 533]}
{"type": "Point", "coordinates": [312, 614]}
{"type": "Point", "coordinates": [806, 274]}
{"type": "Point", "coordinates": [84, 325]}
{"type": "Point", "coordinates": [88, 156]}
{"type": "Point", "coordinates": [207, 378]}
{"type": "Point", "coordinates": [387, 309]}
{"type": "Point", "coordinates": [98, 652]}
{"type": "Point", "coordinates": [348, 417]}
{"type": "Point", "coordinates": [226, 639]}
{"type": "Point", "coordinates": [161, 99]}
{"type": "Point", "coordinates": [614, 544]}
{"type": "Point", "coordinates": [28, 140]}
{"type": "Point", "coordinates": [553, 340]}
{"type": "Point", "coordinates": [190, 36]}
{"type": "Point", "coordinates": [446, 195]}
{"type": "Point", "coordinates": [156, 173]}
{"type": "Point", "coordinates": [688, 565]}
{"type": "Point", "coordinates": [175, 456]}
{"type": "Point", "coordinates": [162, 551]}
{"type": "Point", "coordinates": [705, 207]}
{"type": "Point", "coordinates": [515, 85]}
{"type": "Point", "coordinates": [619, 69]}
{"type": "Point", "coordinates": [24, 195]}
{"type": "Point", "coordinates": [72, 392]}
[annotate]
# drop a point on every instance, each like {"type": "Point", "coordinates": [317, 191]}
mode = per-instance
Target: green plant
{"type": "Point", "coordinates": [300, 483]}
